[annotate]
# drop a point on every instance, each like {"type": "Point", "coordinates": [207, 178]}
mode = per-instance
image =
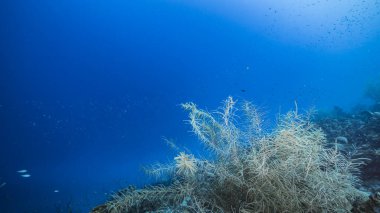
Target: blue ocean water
{"type": "Point", "coordinates": [88, 89]}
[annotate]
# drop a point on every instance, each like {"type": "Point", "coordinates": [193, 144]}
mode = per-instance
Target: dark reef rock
{"type": "Point", "coordinates": [371, 206]}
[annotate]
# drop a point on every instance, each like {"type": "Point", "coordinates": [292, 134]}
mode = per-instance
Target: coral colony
{"type": "Point", "coordinates": [288, 169]}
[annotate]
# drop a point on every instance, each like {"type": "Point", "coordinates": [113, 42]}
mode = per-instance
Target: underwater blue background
{"type": "Point", "coordinates": [89, 88]}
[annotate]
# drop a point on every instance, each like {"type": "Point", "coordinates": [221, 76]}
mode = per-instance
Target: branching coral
{"type": "Point", "coordinates": [287, 170]}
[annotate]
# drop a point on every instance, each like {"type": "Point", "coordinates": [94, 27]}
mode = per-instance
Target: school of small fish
{"type": "Point", "coordinates": [24, 173]}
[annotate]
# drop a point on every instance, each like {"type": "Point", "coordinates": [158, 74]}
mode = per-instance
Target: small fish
{"type": "Point", "coordinates": [3, 184]}
{"type": "Point", "coordinates": [56, 191]}
{"type": "Point", "coordinates": [25, 175]}
{"type": "Point", "coordinates": [22, 171]}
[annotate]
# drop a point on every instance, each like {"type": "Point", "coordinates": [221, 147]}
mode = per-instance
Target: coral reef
{"type": "Point", "coordinates": [356, 132]}
{"type": "Point", "coordinates": [290, 169]}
